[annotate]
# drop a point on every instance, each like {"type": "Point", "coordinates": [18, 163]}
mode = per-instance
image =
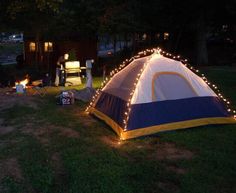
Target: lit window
{"type": "Point", "coordinates": [32, 47]}
{"type": "Point", "coordinates": [166, 36]}
{"type": "Point", "coordinates": [144, 36]}
{"type": "Point", "coordinates": [48, 46]}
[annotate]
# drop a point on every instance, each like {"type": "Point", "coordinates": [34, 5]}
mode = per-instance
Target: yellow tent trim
{"type": "Point", "coordinates": [157, 128]}
{"type": "Point", "coordinates": [108, 120]}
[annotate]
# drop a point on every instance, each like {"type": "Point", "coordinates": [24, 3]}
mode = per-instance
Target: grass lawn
{"type": "Point", "coordinates": [49, 148]}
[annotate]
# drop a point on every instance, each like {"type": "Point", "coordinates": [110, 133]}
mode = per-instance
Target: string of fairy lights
{"type": "Point", "coordinates": [211, 85]}
{"type": "Point", "coordinates": [145, 53]}
{"type": "Point", "coordinates": [127, 112]}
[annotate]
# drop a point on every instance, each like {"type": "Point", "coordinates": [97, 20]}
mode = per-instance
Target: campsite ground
{"type": "Point", "coordinates": [49, 148]}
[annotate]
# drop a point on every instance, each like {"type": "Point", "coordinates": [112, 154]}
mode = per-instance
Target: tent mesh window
{"type": "Point", "coordinates": [171, 86]}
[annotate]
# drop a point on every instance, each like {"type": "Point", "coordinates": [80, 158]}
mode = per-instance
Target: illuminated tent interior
{"type": "Point", "coordinates": [156, 93]}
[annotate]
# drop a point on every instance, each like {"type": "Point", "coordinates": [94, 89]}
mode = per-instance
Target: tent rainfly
{"type": "Point", "coordinates": [157, 93]}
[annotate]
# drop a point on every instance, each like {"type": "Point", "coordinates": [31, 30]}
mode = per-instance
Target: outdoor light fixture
{"type": "Point", "coordinates": [66, 56]}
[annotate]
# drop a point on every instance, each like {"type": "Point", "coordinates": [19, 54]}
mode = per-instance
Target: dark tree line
{"type": "Point", "coordinates": [184, 20]}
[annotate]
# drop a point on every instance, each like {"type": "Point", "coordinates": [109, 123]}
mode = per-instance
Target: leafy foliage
{"type": "Point", "coordinates": [70, 18]}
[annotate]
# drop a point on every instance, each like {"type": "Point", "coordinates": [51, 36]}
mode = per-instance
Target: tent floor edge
{"type": "Point", "coordinates": [159, 128]}
{"type": "Point", "coordinates": [108, 121]}
{"type": "Point", "coordinates": [177, 125]}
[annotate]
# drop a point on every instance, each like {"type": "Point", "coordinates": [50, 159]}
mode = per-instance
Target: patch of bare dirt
{"type": "Point", "coordinates": [9, 100]}
{"type": "Point", "coordinates": [56, 161]}
{"type": "Point", "coordinates": [57, 164]}
{"type": "Point", "coordinates": [60, 172]}
{"type": "Point", "coordinates": [10, 167]}
{"type": "Point", "coordinates": [169, 151]}
{"type": "Point", "coordinates": [168, 187]}
{"type": "Point", "coordinates": [112, 141]}
{"type": "Point", "coordinates": [176, 169]}
{"type": "Point", "coordinates": [67, 132]}
{"type": "Point", "coordinates": [42, 132]}
{"type": "Point", "coordinates": [5, 129]}
{"type": "Point", "coordinates": [155, 150]}
{"type": "Point", "coordinates": [84, 118]}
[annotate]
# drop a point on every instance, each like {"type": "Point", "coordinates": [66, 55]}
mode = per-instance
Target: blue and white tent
{"type": "Point", "coordinates": [156, 93]}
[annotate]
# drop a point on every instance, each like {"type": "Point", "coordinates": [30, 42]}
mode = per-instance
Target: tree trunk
{"type": "Point", "coordinates": [180, 31]}
{"type": "Point", "coordinates": [37, 54]}
{"type": "Point", "coordinates": [202, 54]}
{"type": "Point", "coordinates": [134, 43]}
{"type": "Point", "coordinates": [125, 41]}
{"type": "Point", "coordinates": [120, 41]}
{"type": "Point", "coordinates": [114, 43]}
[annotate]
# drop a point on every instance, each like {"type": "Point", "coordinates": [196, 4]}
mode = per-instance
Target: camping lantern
{"type": "Point", "coordinates": [20, 89]}
{"type": "Point", "coordinates": [21, 85]}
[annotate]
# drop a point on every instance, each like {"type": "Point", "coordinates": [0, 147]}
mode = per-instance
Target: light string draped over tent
{"type": "Point", "coordinates": [196, 71]}
{"type": "Point", "coordinates": [142, 54]}
{"type": "Point", "coordinates": [116, 70]}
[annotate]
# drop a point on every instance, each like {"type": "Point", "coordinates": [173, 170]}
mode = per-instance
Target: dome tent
{"type": "Point", "coordinates": [157, 93]}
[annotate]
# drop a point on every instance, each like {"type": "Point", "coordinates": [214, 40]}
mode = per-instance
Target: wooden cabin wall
{"type": "Point", "coordinates": [46, 61]}
{"type": "Point", "coordinates": [85, 49]}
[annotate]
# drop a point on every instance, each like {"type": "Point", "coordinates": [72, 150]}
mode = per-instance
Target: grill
{"type": "Point", "coordinates": [72, 73]}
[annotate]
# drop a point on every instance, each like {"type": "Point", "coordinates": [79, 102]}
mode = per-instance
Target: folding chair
{"type": "Point", "coordinates": [39, 88]}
